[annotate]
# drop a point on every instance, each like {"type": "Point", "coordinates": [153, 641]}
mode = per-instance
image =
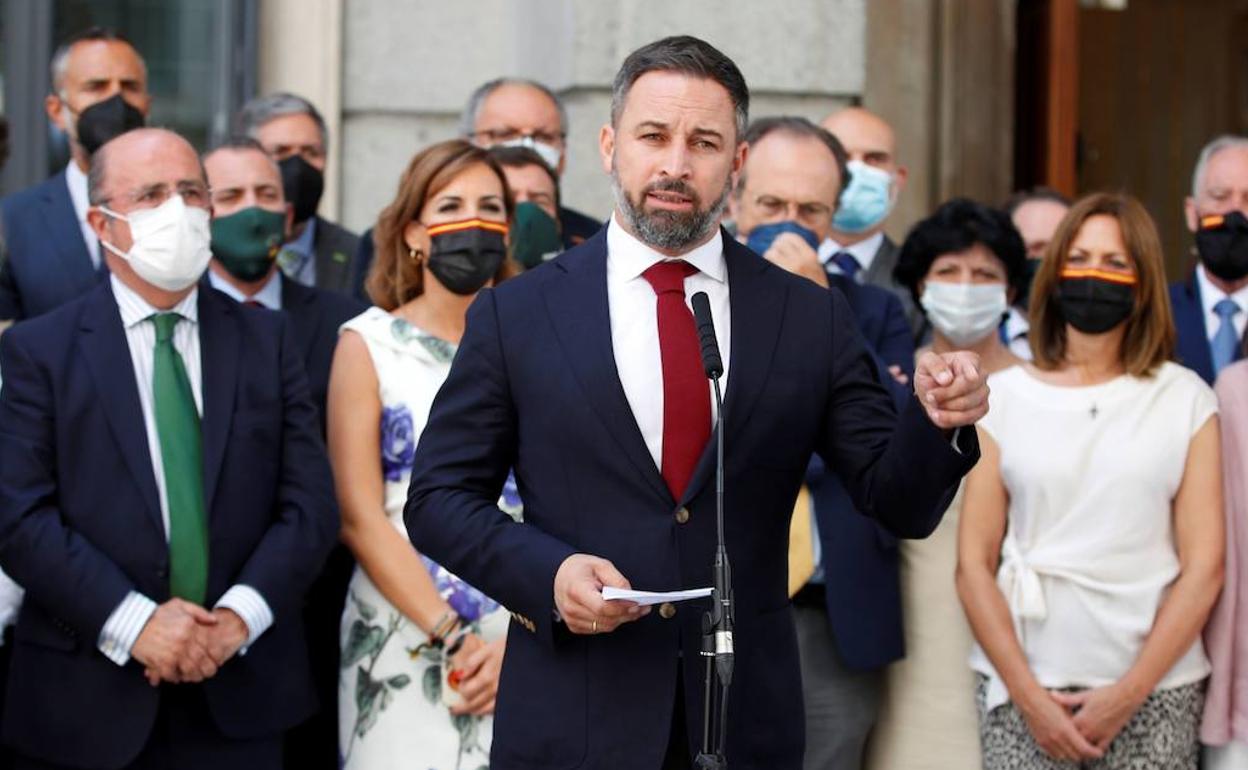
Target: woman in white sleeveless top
{"type": "Point", "coordinates": [1091, 541]}
{"type": "Point", "coordinates": [964, 266]}
{"type": "Point", "coordinates": [421, 650]}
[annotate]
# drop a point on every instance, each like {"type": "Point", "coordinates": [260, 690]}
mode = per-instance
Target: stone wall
{"type": "Point", "coordinates": [408, 66]}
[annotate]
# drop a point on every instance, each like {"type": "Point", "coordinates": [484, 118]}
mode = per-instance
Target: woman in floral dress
{"type": "Point", "coordinates": [421, 649]}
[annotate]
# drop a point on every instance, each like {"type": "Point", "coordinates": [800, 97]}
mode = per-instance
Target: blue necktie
{"type": "Point", "coordinates": [847, 264]}
{"type": "Point", "coordinates": [1225, 341]}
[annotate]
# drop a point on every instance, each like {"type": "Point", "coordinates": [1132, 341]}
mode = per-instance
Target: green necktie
{"type": "Point", "coordinates": [181, 451]}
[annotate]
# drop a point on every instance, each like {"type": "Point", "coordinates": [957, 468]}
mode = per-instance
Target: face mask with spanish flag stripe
{"type": "Point", "coordinates": [1095, 301]}
{"type": "Point", "coordinates": [465, 255]}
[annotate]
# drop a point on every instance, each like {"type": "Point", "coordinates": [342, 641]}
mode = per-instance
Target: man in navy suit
{"type": "Point", "coordinates": [294, 133]}
{"type": "Point", "coordinates": [99, 89]}
{"type": "Point", "coordinates": [584, 377]}
{"type": "Point", "coordinates": [848, 614]}
{"type": "Point", "coordinates": [159, 456]}
{"type": "Point", "coordinates": [1211, 306]}
{"type": "Point", "coordinates": [250, 219]}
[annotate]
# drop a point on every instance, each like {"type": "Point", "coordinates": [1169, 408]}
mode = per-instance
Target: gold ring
{"type": "Point", "coordinates": [594, 628]}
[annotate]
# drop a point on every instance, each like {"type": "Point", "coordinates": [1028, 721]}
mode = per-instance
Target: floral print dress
{"type": "Point", "coordinates": [390, 709]}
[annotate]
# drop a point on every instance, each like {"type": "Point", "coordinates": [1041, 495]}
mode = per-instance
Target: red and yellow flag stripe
{"type": "Point", "coordinates": [1123, 279]}
{"type": "Point", "coordinates": [468, 224]}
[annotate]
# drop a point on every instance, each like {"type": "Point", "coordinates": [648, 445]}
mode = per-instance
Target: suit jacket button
{"type": "Point", "coordinates": [667, 610]}
{"type": "Point", "coordinates": [682, 515]}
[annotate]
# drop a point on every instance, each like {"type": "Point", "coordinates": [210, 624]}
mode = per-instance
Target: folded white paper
{"type": "Point", "coordinates": [653, 597]}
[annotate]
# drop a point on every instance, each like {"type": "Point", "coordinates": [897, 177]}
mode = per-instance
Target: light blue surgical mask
{"type": "Point", "coordinates": [866, 201]}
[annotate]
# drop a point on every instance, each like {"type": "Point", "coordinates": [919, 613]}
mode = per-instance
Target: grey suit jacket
{"type": "Point", "coordinates": [333, 249]}
{"type": "Point", "coordinates": [880, 273]}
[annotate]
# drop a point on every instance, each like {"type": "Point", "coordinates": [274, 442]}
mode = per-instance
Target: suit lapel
{"type": "Point", "coordinates": [297, 304]}
{"type": "Point", "coordinates": [880, 272]}
{"type": "Point", "coordinates": [331, 273]}
{"type": "Point", "coordinates": [107, 354]}
{"type": "Point", "coordinates": [757, 305]}
{"type": "Point", "coordinates": [579, 311]}
{"type": "Point", "coordinates": [61, 223]}
{"type": "Point", "coordinates": [219, 352]}
{"type": "Point", "coordinates": [1194, 350]}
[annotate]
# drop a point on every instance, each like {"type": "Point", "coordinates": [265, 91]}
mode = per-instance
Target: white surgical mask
{"type": "Point", "coordinates": [171, 243]}
{"type": "Point", "coordinates": [964, 313]}
{"type": "Point", "coordinates": [549, 154]}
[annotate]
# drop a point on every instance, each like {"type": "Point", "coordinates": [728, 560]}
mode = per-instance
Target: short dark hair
{"type": "Point", "coordinates": [1032, 194]}
{"type": "Point", "coordinates": [955, 226]}
{"type": "Point", "coordinates": [522, 157]}
{"type": "Point", "coordinates": [800, 127]}
{"type": "Point", "coordinates": [687, 55]}
{"type": "Point", "coordinates": [60, 57]}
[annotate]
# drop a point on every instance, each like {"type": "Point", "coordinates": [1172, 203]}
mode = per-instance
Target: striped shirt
{"type": "Point", "coordinates": [123, 626]}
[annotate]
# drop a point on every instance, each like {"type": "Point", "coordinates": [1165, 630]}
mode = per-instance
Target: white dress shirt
{"type": "Point", "coordinates": [76, 180]}
{"type": "Point", "coordinates": [633, 308]}
{"type": "Point", "coordinates": [1210, 295]}
{"type": "Point", "coordinates": [269, 295]}
{"type": "Point", "coordinates": [864, 251]}
{"type": "Point", "coordinates": [123, 626]}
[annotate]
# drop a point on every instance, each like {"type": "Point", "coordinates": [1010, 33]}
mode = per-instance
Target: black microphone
{"type": "Point", "coordinates": [717, 625]}
{"type": "Point", "coordinates": [711, 361]}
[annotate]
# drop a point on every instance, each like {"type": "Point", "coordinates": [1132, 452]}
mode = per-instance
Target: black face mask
{"type": "Point", "coordinates": [106, 120]}
{"type": "Point", "coordinates": [464, 256]}
{"type": "Point", "coordinates": [1094, 305]}
{"type": "Point", "coordinates": [303, 184]}
{"type": "Point", "coordinates": [1222, 242]}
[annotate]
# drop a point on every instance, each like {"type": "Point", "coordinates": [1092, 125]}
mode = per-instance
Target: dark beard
{"type": "Point", "coordinates": [673, 231]}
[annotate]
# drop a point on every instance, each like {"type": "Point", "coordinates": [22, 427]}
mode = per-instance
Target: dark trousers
{"type": "Point", "coordinates": [186, 737]}
{"type": "Point", "coordinates": [313, 745]}
{"type": "Point", "coordinates": [677, 756]}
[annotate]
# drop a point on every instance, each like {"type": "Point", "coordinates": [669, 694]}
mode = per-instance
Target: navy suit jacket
{"type": "Point", "coordinates": [80, 522]}
{"type": "Point", "coordinates": [47, 263]}
{"type": "Point", "coordinates": [1193, 349]}
{"type": "Point", "coordinates": [858, 555]}
{"type": "Point", "coordinates": [534, 386]}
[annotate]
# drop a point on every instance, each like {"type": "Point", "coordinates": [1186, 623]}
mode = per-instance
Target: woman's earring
{"type": "Point", "coordinates": [415, 254]}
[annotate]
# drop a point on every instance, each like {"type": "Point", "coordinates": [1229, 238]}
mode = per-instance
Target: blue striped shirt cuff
{"type": "Point", "coordinates": [123, 627]}
{"type": "Point", "coordinates": [251, 607]}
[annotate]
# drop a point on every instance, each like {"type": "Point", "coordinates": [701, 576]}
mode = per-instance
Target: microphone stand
{"type": "Point", "coordinates": [717, 644]}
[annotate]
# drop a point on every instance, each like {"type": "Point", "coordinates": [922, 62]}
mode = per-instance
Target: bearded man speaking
{"type": "Point", "coordinates": [585, 378]}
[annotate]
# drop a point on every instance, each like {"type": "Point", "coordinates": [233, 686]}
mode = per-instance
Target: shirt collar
{"type": "Point", "coordinates": [633, 257]}
{"type": "Point", "coordinates": [864, 251]}
{"type": "Point", "coordinates": [1210, 294]}
{"type": "Point", "coordinates": [303, 244]}
{"type": "Point", "coordinates": [269, 295]}
{"type": "Point", "coordinates": [76, 181]}
{"type": "Point", "coordinates": [134, 309]}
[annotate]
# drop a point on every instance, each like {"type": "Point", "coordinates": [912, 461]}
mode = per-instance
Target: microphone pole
{"type": "Point", "coordinates": [717, 645]}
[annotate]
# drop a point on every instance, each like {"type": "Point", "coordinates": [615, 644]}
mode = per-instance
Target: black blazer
{"type": "Point", "coordinates": [80, 522]}
{"type": "Point", "coordinates": [534, 387]}
{"type": "Point", "coordinates": [315, 316]}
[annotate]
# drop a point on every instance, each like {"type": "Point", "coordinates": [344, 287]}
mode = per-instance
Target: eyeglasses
{"type": "Point", "coordinates": [492, 136]}
{"type": "Point", "coordinates": [193, 194]}
{"type": "Point", "coordinates": [807, 213]}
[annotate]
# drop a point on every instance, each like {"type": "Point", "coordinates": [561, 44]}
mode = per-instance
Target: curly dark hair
{"type": "Point", "coordinates": [955, 226]}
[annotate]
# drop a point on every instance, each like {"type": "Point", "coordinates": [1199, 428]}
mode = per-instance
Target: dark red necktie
{"type": "Point", "coordinates": [252, 303]}
{"type": "Point", "coordinates": [686, 393]}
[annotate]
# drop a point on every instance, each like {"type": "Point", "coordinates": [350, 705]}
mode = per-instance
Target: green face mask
{"type": "Point", "coordinates": [534, 236]}
{"type": "Point", "coordinates": [246, 242]}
